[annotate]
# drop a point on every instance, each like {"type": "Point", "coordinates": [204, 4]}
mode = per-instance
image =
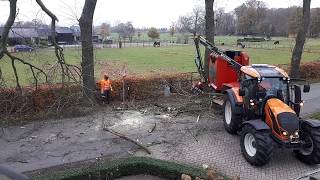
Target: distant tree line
{"type": "Point", "coordinates": [251, 18]}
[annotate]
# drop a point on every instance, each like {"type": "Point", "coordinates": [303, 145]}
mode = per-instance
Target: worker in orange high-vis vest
{"type": "Point", "coordinates": [106, 88]}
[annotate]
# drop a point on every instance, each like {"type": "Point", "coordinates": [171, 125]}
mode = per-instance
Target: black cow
{"type": "Point", "coordinates": [276, 42]}
{"type": "Point", "coordinates": [156, 44]}
{"type": "Point", "coordinates": [240, 44]}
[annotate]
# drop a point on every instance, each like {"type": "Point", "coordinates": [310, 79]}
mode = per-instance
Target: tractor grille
{"type": "Point", "coordinates": [288, 121]}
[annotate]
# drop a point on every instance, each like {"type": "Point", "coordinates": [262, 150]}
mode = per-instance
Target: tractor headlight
{"type": "Point", "coordinates": [251, 102]}
{"type": "Point", "coordinates": [294, 137]}
{"type": "Point", "coordinates": [285, 133]}
{"type": "Point", "coordinates": [259, 79]}
{"type": "Point", "coordinates": [301, 104]}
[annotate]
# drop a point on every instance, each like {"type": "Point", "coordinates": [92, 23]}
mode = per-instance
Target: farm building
{"type": "Point", "coordinates": [76, 33]}
{"type": "Point", "coordinates": [64, 35]}
{"type": "Point", "coordinates": [32, 35]}
{"type": "Point", "coordinates": [19, 35]}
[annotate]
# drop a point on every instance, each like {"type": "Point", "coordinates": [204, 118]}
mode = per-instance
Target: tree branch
{"type": "Point", "coordinates": [46, 10]}
{"type": "Point", "coordinates": [7, 27]}
{"type": "Point", "coordinates": [4, 51]}
{"type": "Point", "coordinates": [128, 139]}
{"type": "Point", "coordinates": [65, 68]}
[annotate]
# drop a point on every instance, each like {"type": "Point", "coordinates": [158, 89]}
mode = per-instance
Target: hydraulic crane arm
{"type": "Point", "coordinates": [214, 49]}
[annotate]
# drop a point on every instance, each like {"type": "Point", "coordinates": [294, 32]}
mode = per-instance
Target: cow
{"type": "Point", "coordinates": [276, 42]}
{"type": "Point", "coordinates": [241, 45]}
{"type": "Point", "coordinates": [156, 44]}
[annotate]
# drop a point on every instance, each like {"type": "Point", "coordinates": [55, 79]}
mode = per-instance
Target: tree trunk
{"type": "Point", "coordinates": [300, 40]}
{"type": "Point", "coordinates": [87, 63]}
{"type": "Point", "coordinates": [7, 27]}
{"type": "Point", "coordinates": [209, 32]}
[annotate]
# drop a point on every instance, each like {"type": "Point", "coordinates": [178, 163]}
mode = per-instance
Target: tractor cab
{"type": "Point", "coordinates": [261, 82]}
{"type": "Point", "coordinates": [271, 97]}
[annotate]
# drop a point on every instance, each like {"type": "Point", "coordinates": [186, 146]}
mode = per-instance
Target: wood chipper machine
{"type": "Point", "coordinates": [261, 103]}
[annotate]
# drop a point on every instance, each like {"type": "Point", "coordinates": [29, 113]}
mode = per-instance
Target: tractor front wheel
{"type": "Point", "coordinates": [310, 151]}
{"type": "Point", "coordinates": [256, 146]}
{"type": "Point", "coordinates": [231, 121]}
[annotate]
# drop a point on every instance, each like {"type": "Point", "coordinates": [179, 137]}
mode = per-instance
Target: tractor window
{"type": "Point", "coordinates": [232, 54]}
{"type": "Point", "coordinates": [274, 87]}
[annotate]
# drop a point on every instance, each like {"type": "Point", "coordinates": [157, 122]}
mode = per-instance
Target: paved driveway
{"type": "Point", "coordinates": [218, 149]}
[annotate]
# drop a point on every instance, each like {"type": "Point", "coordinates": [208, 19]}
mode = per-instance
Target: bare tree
{"type": "Point", "coordinates": [209, 32]}
{"type": "Point", "coordinates": [3, 49]}
{"type": "Point", "coordinates": [172, 31]}
{"type": "Point", "coordinates": [250, 15]}
{"type": "Point", "coordinates": [125, 30]}
{"type": "Point", "coordinates": [315, 22]}
{"type": "Point", "coordinates": [225, 23]}
{"type": "Point", "coordinates": [300, 40]}
{"type": "Point", "coordinates": [71, 71]}
{"type": "Point", "coordinates": [104, 30]}
{"type": "Point", "coordinates": [192, 22]}
{"type": "Point", "coordinates": [198, 20]}
{"type": "Point", "coordinates": [87, 64]}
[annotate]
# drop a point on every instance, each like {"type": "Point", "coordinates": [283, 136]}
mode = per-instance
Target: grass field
{"type": "Point", "coordinates": [316, 115]}
{"type": "Point", "coordinates": [140, 60]}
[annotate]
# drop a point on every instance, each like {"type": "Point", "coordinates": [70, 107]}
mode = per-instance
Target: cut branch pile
{"type": "Point", "coordinates": [57, 97]}
{"type": "Point", "coordinates": [54, 98]}
{"type": "Point", "coordinates": [145, 87]}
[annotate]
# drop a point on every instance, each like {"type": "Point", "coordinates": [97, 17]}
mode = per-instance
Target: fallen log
{"type": "Point", "coordinates": [128, 139]}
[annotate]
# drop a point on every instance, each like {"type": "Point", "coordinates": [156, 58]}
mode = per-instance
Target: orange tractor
{"type": "Point", "coordinates": [262, 104]}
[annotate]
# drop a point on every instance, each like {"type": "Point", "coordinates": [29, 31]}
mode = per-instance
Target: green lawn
{"type": "Point", "coordinates": [316, 115]}
{"type": "Point", "coordinates": [148, 59]}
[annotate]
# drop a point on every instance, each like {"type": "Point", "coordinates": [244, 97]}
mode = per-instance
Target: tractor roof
{"type": "Point", "coordinates": [266, 70]}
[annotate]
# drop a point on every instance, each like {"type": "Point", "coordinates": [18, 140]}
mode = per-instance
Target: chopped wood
{"type": "Point", "coordinates": [128, 139]}
{"type": "Point", "coordinates": [198, 118]}
{"type": "Point", "coordinates": [160, 106]}
{"type": "Point", "coordinates": [153, 128]}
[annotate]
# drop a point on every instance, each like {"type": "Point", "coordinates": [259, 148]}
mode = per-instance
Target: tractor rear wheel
{"type": "Point", "coordinates": [231, 121]}
{"type": "Point", "coordinates": [310, 152]}
{"type": "Point", "coordinates": [256, 146]}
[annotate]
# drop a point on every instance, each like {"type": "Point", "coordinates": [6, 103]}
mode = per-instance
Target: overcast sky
{"type": "Point", "coordinates": [143, 13]}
